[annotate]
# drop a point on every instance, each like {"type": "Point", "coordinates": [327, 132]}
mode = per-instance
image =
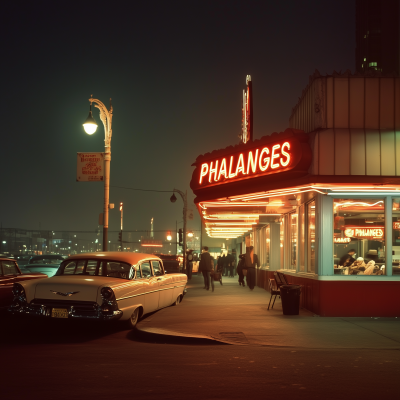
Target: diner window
{"type": "Point", "coordinates": [311, 236]}
{"type": "Point", "coordinates": [282, 242]}
{"type": "Point", "coordinates": [396, 236]}
{"type": "Point", "coordinates": [267, 244]}
{"type": "Point", "coordinates": [359, 236]}
{"type": "Point", "coordinates": [302, 238]}
{"type": "Point", "coordinates": [293, 240]}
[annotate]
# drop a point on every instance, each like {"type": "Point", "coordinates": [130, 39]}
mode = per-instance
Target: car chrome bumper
{"type": "Point", "coordinates": [78, 312]}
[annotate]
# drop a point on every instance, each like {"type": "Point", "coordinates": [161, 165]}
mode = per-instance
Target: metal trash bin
{"type": "Point", "coordinates": [290, 295]}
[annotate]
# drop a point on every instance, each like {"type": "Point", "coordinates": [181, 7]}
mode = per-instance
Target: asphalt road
{"type": "Point", "coordinates": [59, 361]}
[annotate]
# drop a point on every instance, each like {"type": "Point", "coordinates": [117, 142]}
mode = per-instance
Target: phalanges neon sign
{"type": "Point", "coordinates": [268, 158]}
{"type": "Point", "coordinates": [270, 155]}
{"type": "Point", "coordinates": [364, 232]}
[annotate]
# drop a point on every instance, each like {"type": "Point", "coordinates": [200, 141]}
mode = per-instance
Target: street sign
{"type": "Point", "coordinates": [90, 167]}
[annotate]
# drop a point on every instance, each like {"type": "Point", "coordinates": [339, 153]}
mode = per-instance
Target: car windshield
{"type": "Point", "coordinates": [113, 269]}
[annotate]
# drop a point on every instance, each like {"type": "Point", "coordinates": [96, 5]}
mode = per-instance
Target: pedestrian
{"type": "Point", "coordinates": [231, 264]}
{"type": "Point", "coordinates": [239, 269]}
{"type": "Point", "coordinates": [189, 263]}
{"type": "Point", "coordinates": [219, 268]}
{"type": "Point", "coordinates": [251, 261]}
{"type": "Point", "coordinates": [224, 265]}
{"type": "Point", "coordinates": [206, 266]}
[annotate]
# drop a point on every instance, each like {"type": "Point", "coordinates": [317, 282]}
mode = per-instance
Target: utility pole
{"type": "Point", "coordinates": [121, 208]}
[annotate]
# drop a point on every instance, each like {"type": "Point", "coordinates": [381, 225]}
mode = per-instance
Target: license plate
{"type": "Point", "coordinates": [59, 313]}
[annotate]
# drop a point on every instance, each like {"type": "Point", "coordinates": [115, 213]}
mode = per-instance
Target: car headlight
{"type": "Point", "coordinates": [19, 291]}
{"type": "Point", "coordinates": [107, 293]}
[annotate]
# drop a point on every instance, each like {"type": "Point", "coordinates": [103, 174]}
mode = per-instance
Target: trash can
{"type": "Point", "coordinates": [290, 295]}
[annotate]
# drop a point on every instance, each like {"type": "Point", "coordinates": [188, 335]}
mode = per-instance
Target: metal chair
{"type": "Point", "coordinates": [283, 278]}
{"type": "Point", "coordinates": [278, 280]}
{"type": "Point", "coordinates": [274, 291]}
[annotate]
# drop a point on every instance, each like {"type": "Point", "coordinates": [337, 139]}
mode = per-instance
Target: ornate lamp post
{"type": "Point", "coordinates": [173, 200]}
{"type": "Point", "coordinates": [90, 127]}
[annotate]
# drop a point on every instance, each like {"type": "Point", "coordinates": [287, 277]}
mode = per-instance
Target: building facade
{"type": "Point", "coordinates": [306, 197]}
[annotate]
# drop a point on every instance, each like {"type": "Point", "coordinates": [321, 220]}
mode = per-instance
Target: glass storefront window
{"type": "Point", "coordinates": [267, 245]}
{"type": "Point", "coordinates": [311, 236]}
{"type": "Point", "coordinates": [282, 242]}
{"type": "Point", "coordinates": [293, 240]}
{"type": "Point", "coordinates": [359, 236]}
{"type": "Point", "coordinates": [396, 236]}
{"type": "Point", "coordinates": [302, 238]}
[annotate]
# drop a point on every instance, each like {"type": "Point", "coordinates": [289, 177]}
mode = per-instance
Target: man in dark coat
{"type": "Point", "coordinates": [206, 266]}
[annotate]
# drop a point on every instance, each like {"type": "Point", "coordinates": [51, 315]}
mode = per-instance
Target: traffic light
{"type": "Point", "coordinates": [120, 237]}
{"type": "Point", "coordinates": [180, 237]}
{"type": "Point", "coordinates": [169, 236]}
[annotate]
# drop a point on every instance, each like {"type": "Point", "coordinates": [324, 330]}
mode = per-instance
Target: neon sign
{"type": "Point", "coordinates": [396, 225]}
{"type": "Point", "coordinates": [287, 152]}
{"type": "Point", "coordinates": [364, 232]}
{"type": "Point", "coordinates": [253, 162]}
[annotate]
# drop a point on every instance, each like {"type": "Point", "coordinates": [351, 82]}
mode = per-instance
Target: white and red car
{"type": "Point", "coordinates": [101, 286]}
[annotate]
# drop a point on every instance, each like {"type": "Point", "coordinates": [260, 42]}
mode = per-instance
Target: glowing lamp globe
{"type": "Point", "coordinates": [90, 125]}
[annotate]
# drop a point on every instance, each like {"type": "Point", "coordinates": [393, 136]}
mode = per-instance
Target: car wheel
{"type": "Point", "coordinates": [177, 301]}
{"type": "Point", "coordinates": [132, 321]}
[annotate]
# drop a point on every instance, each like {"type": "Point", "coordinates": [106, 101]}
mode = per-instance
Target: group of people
{"type": "Point", "coordinates": [246, 267]}
{"type": "Point", "coordinates": [358, 266]}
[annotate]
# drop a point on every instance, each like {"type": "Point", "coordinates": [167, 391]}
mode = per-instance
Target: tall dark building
{"type": "Point", "coordinates": [377, 35]}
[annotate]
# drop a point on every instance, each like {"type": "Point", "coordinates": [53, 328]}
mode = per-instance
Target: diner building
{"type": "Point", "coordinates": [325, 189]}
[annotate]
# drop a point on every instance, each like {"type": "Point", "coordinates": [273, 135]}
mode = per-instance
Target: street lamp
{"type": "Point", "coordinates": [173, 200]}
{"type": "Point", "coordinates": [90, 127]}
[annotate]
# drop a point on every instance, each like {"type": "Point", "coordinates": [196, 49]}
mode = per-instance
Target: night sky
{"type": "Point", "coordinates": [175, 72]}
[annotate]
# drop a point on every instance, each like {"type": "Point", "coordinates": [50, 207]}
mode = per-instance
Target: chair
{"type": "Point", "coordinates": [278, 280]}
{"type": "Point", "coordinates": [274, 291]}
{"type": "Point", "coordinates": [283, 278]}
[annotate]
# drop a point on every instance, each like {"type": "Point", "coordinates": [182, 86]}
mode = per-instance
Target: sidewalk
{"type": "Point", "coordinates": [235, 315]}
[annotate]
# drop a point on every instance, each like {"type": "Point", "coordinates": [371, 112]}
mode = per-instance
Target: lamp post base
{"type": "Point", "coordinates": [105, 238]}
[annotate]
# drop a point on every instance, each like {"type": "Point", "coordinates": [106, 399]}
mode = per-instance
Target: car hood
{"type": "Point", "coordinates": [72, 288]}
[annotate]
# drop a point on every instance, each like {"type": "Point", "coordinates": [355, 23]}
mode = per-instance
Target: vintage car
{"type": "Point", "coordinates": [9, 274]}
{"type": "Point", "coordinates": [101, 286]}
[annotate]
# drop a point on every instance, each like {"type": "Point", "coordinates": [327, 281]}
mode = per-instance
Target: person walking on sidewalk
{"type": "Point", "coordinates": [231, 264]}
{"type": "Point", "coordinates": [239, 270]}
{"type": "Point", "coordinates": [189, 263]}
{"type": "Point", "coordinates": [206, 266]}
{"type": "Point", "coordinates": [251, 260]}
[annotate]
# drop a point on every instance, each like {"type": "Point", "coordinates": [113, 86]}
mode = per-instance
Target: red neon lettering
{"type": "Point", "coordinates": [273, 156]}
{"type": "Point", "coordinates": [287, 155]}
{"type": "Point", "coordinates": [240, 165]}
{"type": "Point", "coordinates": [213, 171]}
{"type": "Point", "coordinates": [265, 160]}
{"type": "Point", "coordinates": [252, 162]}
{"type": "Point", "coordinates": [222, 170]}
{"type": "Point", "coordinates": [204, 170]}
{"type": "Point", "coordinates": [230, 168]}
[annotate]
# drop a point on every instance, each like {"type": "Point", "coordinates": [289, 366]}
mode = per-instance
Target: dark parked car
{"type": "Point", "coordinates": [46, 264]}
{"type": "Point", "coordinates": [10, 274]}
